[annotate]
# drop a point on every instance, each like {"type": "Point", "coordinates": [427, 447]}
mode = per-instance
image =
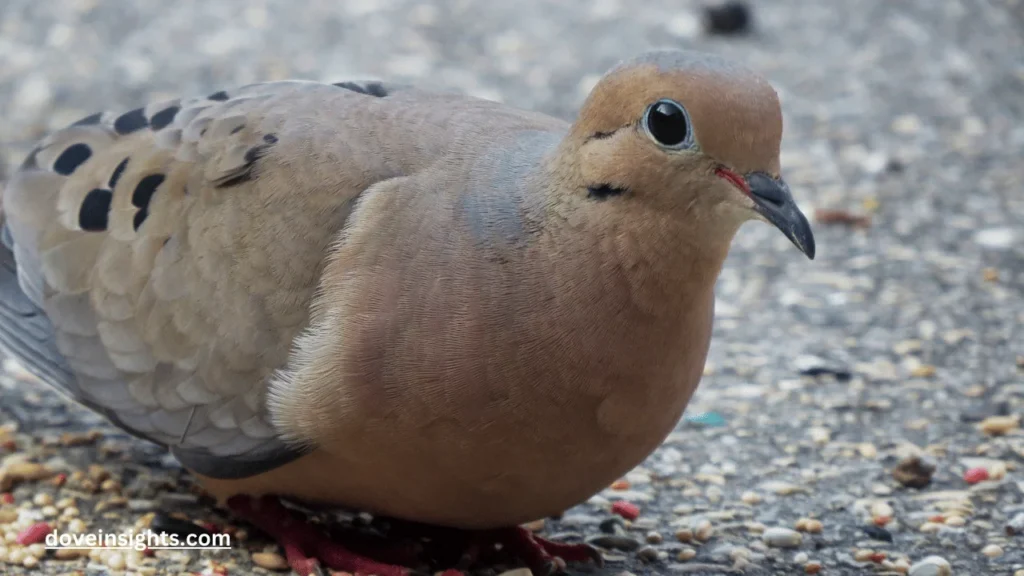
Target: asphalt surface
{"type": "Point", "coordinates": [902, 335]}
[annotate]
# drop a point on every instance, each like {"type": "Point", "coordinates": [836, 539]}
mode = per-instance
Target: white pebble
{"type": "Point", "coordinates": [33, 94]}
{"type": "Point", "coordinates": [116, 561]}
{"type": "Point", "coordinates": [996, 238]}
{"type": "Point", "coordinates": [931, 566]}
{"type": "Point", "coordinates": [778, 537]}
{"type": "Point", "coordinates": [684, 25]}
{"type": "Point", "coordinates": [992, 551]}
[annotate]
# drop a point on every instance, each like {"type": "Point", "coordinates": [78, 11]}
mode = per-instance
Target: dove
{"type": "Point", "coordinates": [422, 305]}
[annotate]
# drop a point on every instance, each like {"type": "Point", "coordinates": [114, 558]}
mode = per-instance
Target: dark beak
{"type": "Point", "coordinates": [775, 202]}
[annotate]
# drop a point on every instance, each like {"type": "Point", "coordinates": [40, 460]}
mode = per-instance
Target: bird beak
{"type": "Point", "coordinates": [773, 201]}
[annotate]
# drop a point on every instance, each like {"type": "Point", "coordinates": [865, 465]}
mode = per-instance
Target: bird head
{"type": "Point", "coordinates": [686, 132]}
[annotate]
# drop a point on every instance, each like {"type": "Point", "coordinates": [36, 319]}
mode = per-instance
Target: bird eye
{"type": "Point", "coordinates": [668, 124]}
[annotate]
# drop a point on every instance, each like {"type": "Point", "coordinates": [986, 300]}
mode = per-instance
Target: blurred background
{"type": "Point", "coordinates": [876, 391]}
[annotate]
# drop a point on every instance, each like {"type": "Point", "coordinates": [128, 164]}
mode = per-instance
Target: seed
{"type": "Point", "coordinates": [704, 531]}
{"type": "Point", "coordinates": [270, 561]}
{"type": "Point", "coordinates": [33, 534]}
{"type": "Point", "coordinates": [975, 475]}
{"type": "Point", "coordinates": [999, 425]}
{"type": "Point", "coordinates": [778, 537]}
{"type": "Point", "coordinates": [863, 555]}
{"type": "Point", "coordinates": [625, 509]}
{"type": "Point", "coordinates": [69, 554]}
{"type": "Point", "coordinates": [37, 550]}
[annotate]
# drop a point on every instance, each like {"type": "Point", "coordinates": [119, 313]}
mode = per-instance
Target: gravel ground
{"type": "Point", "coordinates": [900, 348]}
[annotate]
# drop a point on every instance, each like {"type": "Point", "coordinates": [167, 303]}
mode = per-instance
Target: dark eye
{"type": "Point", "coordinates": [668, 124]}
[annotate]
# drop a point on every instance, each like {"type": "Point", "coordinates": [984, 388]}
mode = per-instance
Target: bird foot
{"type": "Point", "coordinates": [542, 556]}
{"type": "Point", "coordinates": [307, 549]}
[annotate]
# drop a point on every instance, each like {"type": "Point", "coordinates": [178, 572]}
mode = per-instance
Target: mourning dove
{"type": "Point", "coordinates": [418, 304]}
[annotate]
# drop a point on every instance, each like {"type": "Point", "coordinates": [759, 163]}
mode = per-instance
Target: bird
{"type": "Point", "coordinates": [418, 304]}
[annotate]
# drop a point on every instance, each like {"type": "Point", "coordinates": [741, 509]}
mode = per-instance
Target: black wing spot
{"type": "Point", "coordinates": [95, 210]}
{"type": "Point", "coordinates": [370, 88]}
{"type": "Point", "coordinates": [71, 158]}
{"type": "Point", "coordinates": [270, 138]}
{"type": "Point", "coordinates": [604, 191]}
{"type": "Point", "coordinates": [376, 89]}
{"type": "Point", "coordinates": [219, 96]}
{"type": "Point", "coordinates": [139, 218]}
{"type": "Point", "coordinates": [112, 184]}
{"type": "Point", "coordinates": [244, 172]}
{"type": "Point", "coordinates": [163, 118]}
{"type": "Point", "coordinates": [144, 190]}
{"type": "Point", "coordinates": [130, 122]}
{"type": "Point", "coordinates": [90, 120]}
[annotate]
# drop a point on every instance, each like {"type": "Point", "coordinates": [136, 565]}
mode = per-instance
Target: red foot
{"type": "Point", "coordinates": [543, 557]}
{"type": "Point", "coordinates": [304, 546]}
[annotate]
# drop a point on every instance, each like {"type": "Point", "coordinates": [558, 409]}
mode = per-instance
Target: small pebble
{"type": "Point", "coordinates": [686, 554]}
{"type": "Point", "coordinates": [915, 471]}
{"type": "Point", "coordinates": [1016, 525]}
{"type": "Point", "coordinates": [751, 498]}
{"type": "Point", "coordinates": [30, 562]}
{"type": "Point", "coordinates": [116, 561]}
{"type": "Point", "coordinates": [809, 525]}
{"type": "Point", "coordinates": [270, 561]}
{"type": "Point", "coordinates": [730, 17]}
{"type": "Point", "coordinates": [812, 568]}
{"type": "Point", "coordinates": [42, 499]}
{"type": "Point", "coordinates": [615, 542]}
{"type": "Point", "coordinates": [684, 535]}
{"type": "Point", "coordinates": [654, 537]}
{"type": "Point", "coordinates": [992, 551]}
{"type": "Point", "coordinates": [779, 537]}
{"type": "Point", "coordinates": [930, 527]}
{"type": "Point", "coordinates": [877, 533]}
{"type": "Point", "coordinates": [648, 554]}
{"type": "Point", "coordinates": [955, 521]}
{"type": "Point", "coordinates": [800, 558]}
{"type": "Point", "coordinates": [932, 566]}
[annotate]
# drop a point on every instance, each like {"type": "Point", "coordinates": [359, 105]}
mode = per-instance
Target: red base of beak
{"type": "Point", "coordinates": [733, 178]}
